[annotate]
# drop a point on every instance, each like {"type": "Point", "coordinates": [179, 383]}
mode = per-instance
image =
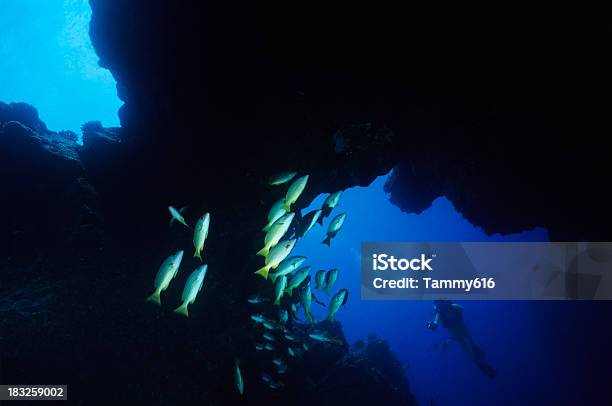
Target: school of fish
{"type": "Point", "coordinates": [289, 279]}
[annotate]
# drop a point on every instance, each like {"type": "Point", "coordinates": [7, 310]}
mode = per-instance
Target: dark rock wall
{"type": "Point", "coordinates": [500, 107]}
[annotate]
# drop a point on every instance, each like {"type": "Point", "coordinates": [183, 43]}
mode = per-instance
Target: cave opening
{"type": "Point", "coordinates": [52, 64]}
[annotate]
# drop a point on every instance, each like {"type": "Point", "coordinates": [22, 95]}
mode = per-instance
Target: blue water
{"type": "Point", "coordinates": [46, 51]}
{"type": "Point", "coordinates": [508, 332]}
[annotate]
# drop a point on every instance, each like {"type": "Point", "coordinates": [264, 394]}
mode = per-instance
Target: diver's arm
{"type": "Point", "coordinates": [432, 325]}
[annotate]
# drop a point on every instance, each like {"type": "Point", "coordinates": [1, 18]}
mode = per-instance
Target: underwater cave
{"type": "Point", "coordinates": [111, 111]}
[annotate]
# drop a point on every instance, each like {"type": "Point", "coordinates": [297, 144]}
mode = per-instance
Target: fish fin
{"type": "Point", "coordinates": [264, 251]}
{"type": "Point", "coordinates": [183, 209]}
{"type": "Point", "coordinates": [182, 309]}
{"type": "Point", "coordinates": [155, 297]}
{"type": "Point", "coordinates": [310, 317]}
{"type": "Point", "coordinates": [277, 301]}
{"type": "Point", "coordinates": [263, 272]}
{"type": "Point", "coordinates": [172, 219]}
{"type": "Point", "coordinates": [327, 241]}
{"type": "Point", "coordinates": [289, 291]}
{"type": "Point", "coordinates": [320, 219]}
{"type": "Point", "coordinates": [198, 255]}
{"type": "Point", "coordinates": [267, 228]}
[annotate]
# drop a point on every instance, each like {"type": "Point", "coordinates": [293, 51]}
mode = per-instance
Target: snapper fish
{"type": "Point", "coordinates": [279, 289]}
{"type": "Point", "coordinates": [259, 318]}
{"type": "Point", "coordinates": [281, 178]}
{"type": "Point", "coordinates": [283, 316]}
{"type": "Point", "coordinates": [177, 215]}
{"type": "Point", "coordinates": [192, 287]}
{"type": "Point", "coordinates": [297, 278]}
{"type": "Point", "coordinates": [322, 337]}
{"type": "Point", "coordinates": [320, 279]}
{"type": "Point", "coordinates": [334, 227]}
{"type": "Point", "coordinates": [276, 232]}
{"type": "Point", "coordinates": [287, 266]}
{"type": "Point", "coordinates": [275, 384]}
{"type": "Point", "coordinates": [306, 301]}
{"type": "Point", "coordinates": [238, 376]}
{"type": "Point", "coordinates": [294, 311]}
{"type": "Point", "coordinates": [256, 299]}
{"type": "Point", "coordinates": [276, 255]}
{"type": "Point", "coordinates": [270, 325]}
{"type": "Point", "coordinates": [328, 205]}
{"type": "Point", "coordinates": [338, 300]}
{"type": "Point", "coordinates": [277, 211]}
{"type": "Point", "coordinates": [199, 235]}
{"type": "Point", "coordinates": [308, 221]}
{"type": "Point", "coordinates": [167, 271]}
{"type": "Point", "coordinates": [330, 280]}
{"type": "Point", "coordinates": [294, 191]}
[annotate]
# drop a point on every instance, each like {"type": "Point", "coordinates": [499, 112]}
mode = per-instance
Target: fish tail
{"type": "Point", "coordinates": [330, 317]}
{"type": "Point", "coordinates": [273, 277]}
{"type": "Point", "coordinates": [264, 251]}
{"type": "Point", "coordinates": [289, 291]}
{"type": "Point", "coordinates": [182, 309]}
{"type": "Point", "coordinates": [320, 219]}
{"type": "Point", "coordinates": [263, 272]}
{"type": "Point", "coordinates": [186, 225]}
{"type": "Point", "coordinates": [155, 297]}
{"type": "Point", "coordinates": [277, 301]}
{"type": "Point", "coordinates": [310, 317]}
{"type": "Point", "coordinates": [287, 207]}
{"type": "Point", "coordinates": [327, 241]}
{"type": "Point", "coordinates": [197, 254]}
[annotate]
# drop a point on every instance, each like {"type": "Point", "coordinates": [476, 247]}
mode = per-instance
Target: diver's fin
{"type": "Point", "coordinates": [487, 370]}
{"type": "Point", "coordinates": [327, 241]}
{"type": "Point", "coordinates": [182, 309]}
{"type": "Point", "coordinates": [263, 272]}
{"type": "Point", "coordinates": [478, 353]}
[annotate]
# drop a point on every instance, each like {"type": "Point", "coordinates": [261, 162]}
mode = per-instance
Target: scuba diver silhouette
{"type": "Point", "coordinates": [450, 315]}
